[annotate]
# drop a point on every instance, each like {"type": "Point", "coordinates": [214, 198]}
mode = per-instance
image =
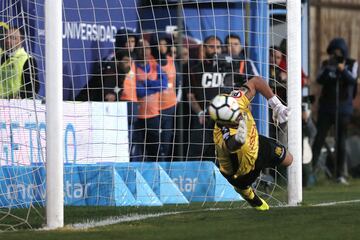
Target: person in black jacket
{"type": "Point", "coordinates": [107, 85]}
{"type": "Point", "coordinates": [338, 78]}
{"type": "Point", "coordinates": [204, 84]}
{"type": "Point", "coordinates": [242, 67]}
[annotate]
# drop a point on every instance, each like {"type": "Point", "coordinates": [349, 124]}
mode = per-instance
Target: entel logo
{"type": "Point", "coordinates": [185, 184]}
{"type": "Point", "coordinates": [30, 191]}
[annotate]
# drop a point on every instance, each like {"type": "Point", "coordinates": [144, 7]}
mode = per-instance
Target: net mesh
{"type": "Point", "coordinates": [138, 77]}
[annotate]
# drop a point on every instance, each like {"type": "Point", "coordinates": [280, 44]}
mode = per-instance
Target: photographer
{"type": "Point", "coordinates": [338, 76]}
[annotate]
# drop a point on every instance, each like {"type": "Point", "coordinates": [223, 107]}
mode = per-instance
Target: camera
{"type": "Point", "coordinates": [336, 60]}
{"type": "Point", "coordinates": [333, 63]}
{"type": "Point", "coordinates": [226, 63]}
{"type": "Point", "coordinates": [339, 59]}
{"type": "Point", "coordinates": [230, 66]}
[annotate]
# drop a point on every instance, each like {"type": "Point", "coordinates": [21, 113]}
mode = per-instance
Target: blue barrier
{"type": "Point", "coordinates": [21, 186]}
{"type": "Point", "coordinates": [119, 184]}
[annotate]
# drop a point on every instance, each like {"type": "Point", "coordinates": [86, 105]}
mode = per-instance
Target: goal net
{"type": "Point", "coordinates": [137, 80]}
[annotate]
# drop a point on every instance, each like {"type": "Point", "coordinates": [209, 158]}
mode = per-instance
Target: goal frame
{"type": "Point", "coordinates": [55, 150]}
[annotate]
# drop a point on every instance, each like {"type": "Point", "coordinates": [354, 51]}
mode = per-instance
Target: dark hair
{"type": "Point", "coordinates": [232, 35]}
{"type": "Point", "coordinates": [121, 53]}
{"type": "Point", "coordinates": [155, 44]}
{"type": "Point", "coordinates": [338, 43]}
{"type": "Point", "coordinates": [283, 46]}
{"type": "Point", "coordinates": [212, 37]}
{"type": "Point", "coordinates": [122, 36]}
{"type": "Point", "coordinates": [275, 48]}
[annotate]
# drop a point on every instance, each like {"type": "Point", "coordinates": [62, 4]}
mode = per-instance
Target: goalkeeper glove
{"type": "Point", "coordinates": [241, 132]}
{"type": "Point", "coordinates": [280, 111]}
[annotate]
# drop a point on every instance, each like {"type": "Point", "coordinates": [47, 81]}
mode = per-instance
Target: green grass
{"type": "Point", "coordinates": [340, 221]}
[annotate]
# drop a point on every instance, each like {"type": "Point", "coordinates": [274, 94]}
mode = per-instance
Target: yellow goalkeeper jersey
{"type": "Point", "coordinates": [248, 153]}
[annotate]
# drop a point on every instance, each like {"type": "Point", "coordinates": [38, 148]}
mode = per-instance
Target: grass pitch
{"type": "Point", "coordinates": [339, 219]}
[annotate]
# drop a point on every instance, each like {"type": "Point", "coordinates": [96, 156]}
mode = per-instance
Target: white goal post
{"type": "Point", "coordinates": [54, 114]}
{"type": "Point", "coordinates": [294, 101]}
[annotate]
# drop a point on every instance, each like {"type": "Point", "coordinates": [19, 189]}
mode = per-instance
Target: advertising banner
{"type": "Point", "coordinates": [119, 184]}
{"type": "Point", "coordinates": [93, 132]}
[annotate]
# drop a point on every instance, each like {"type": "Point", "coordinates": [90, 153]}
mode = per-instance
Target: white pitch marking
{"type": "Point", "coordinates": [335, 203]}
{"type": "Point", "coordinates": [130, 218]}
{"type": "Point", "coordinates": [115, 220]}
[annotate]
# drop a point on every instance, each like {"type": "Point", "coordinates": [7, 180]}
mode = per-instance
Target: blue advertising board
{"type": "Point", "coordinates": [120, 184]}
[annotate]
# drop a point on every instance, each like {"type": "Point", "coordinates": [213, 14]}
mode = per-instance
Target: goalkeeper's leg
{"type": "Point", "coordinates": [254, 200]}
{"type": "Point", "coordinates": [242, 186]}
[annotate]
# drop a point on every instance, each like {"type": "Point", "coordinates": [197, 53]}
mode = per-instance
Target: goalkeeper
{"type": "Point", "coordinates": [241, 152]}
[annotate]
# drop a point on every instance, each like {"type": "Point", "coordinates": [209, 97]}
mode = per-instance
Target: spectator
{"type": "Point", "coordinates": [277, 75]}
{"type": "Point", "coordinates": [127, 38]}
{"type": "Point", "coordinates": [163, 53]}
{"type": "Point", "coordinates": [338, 76]}
{"type": "Point", "coordinates": [242, 67]}
{"type": "Point", "coordinates": [108, 85]}
{"type": "Point", "coordinates": [18, 78]}
{"type": "Point", "coordinates": [278, 83]}
{"type": "Point", "coordinates": [150, 82]}
{"type": "Point", "coordinates": [205, 84]}
{"type": "Point", "coordinates": [283, 66]}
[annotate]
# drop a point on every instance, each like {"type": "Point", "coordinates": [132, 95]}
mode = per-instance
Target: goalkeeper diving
{"type": "Point", "coordinates": [241, 152]}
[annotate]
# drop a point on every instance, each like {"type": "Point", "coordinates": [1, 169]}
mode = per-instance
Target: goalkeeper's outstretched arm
{"type": "Point", "coordinates": [257, 84]}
